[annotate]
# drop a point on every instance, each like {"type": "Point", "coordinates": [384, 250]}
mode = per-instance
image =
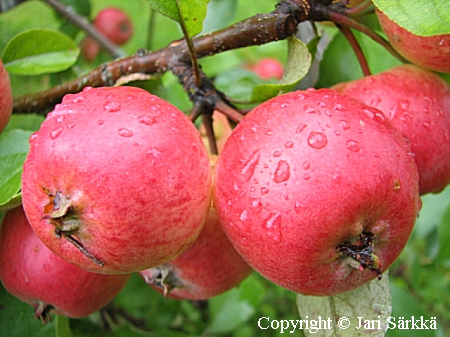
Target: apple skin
{"type": "Point", "coordinates": [306, 172]}
{"type": "Point", "coordinates": [6, 97]}
{"type": "Point", "coordinates": [208, 268]}
{"type": "Point", "coordinates": [115, 24]}
{"type": "Point", "coordinates": [127, 170]}
{"type": "Point", "coordinates": [432, 52]}
{"type": "Point", "coordinates": [35, 275]}
{"type": "Point", "coordinates": [268, 68]}
{"type": "Point", "coordinates": [417, 103]}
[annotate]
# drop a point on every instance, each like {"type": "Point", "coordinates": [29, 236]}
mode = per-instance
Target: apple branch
{"type": "Point", "coordinates": [257, 30]}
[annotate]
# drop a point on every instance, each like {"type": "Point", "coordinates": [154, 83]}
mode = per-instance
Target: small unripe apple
{"type": "Point", "coordinates": [115, 24]}
{"type": "Point", "coordinates": [116, 180]}
{"type": "Point", "coordinates": [268, 68]}
{"type": "Point", "coordinates": [432, 52]}
{"type": "Point", "coordinates": [35, 275]}
{"type": "Point", "coordinates": [6, 98]}
{"type": "Point", "coordinates": [417, 102]}
{"type": "Point", "coordinates": [317, 191]}
{"type": "Point", "coordinates": [89, 49]}
{"type": "Point", "coordinates": [208, 268]}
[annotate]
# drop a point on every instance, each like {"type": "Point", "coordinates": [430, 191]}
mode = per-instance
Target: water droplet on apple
{"type": "Point", "coordinates": [277, 154]}
{"type": "Point", "coordinates": [289, 145]}
{"type": "Point", "coordinates": [264, 190]}
{"type": "Point", "coordinates": [112, 107]}
{"type": "Point", "coordinates": [249, 166]}
{"type": "Point", "coordinates": [273, 226]}
{"type": "Point", "coordinates": [256, 206]}
{"type": "Point", "coordinates": [282, 173]}
{"type": "Point", "coordinates": [353, 145]}
{"type": "Point", "coordinates": [55, 133]}
{"type": "Point", "coordinates": [369, 113]}
{"type": "Point", "coordinates": [343, 124]}
{"type": "Point", "coordinates": [338, 107]}
{"type": "Point", "coordinates": [306, 176]}
{"type": "Point", "coordinates": [78, 99]}
{"type": "Point", "coordinates": [300, 128]}
{"type": "Point", "coordinates": [427, 126]}
{"type": "Point", "coordinates": [100, 122]}
{"type": "Point", "coordinates": [125, 132]}
{"type": "Point", "coordinates": [406, 119]}
{"type": "Point", "coordinates": [310, 109]}
{"type": "Point", "coordinates": [147, 120]}
{"type": "Point", "coordinates": [337, 177]}
{"type": "Point", "coordinates": [244, 215]}
{"type": "Point", "coordinates": [306, 165]}
{"type": "Point", "coordinates": [317, 140]}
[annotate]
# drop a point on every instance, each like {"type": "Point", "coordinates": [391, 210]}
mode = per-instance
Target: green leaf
{"type": "Point", "coordinates": [39, 51]}
{"type": "Point", "coordinates": [28, 122]}
{"type": "Point", "coordinates": [27, 15]}
{"type": "Point", "coordinates": [62, 327]}
{"type": "Point", "coordinates": [345, 313]}
{"type": "Point", "coordinates": [17, 319]}
{"type": "Point", "coordinates": [14, 148]}
{"type": "Point", "coordinates": [425, 18]}
{"type": "Point", "coordinates": [299, 60]}
{"type": "Point", "coordinates": [189, 13]}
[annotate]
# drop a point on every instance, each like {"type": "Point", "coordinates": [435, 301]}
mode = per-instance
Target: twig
{"type": "Point", "coordinates": [81, 22]}
{"type": "Point", "coordinates": [356, 49]}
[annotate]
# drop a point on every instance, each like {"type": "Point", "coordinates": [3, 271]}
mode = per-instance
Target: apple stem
{"type": "Point", "coordinates": [362, 251]}
{"type": "Point", "coordinates": [80, 246]}
{"type": "Point", "coordinates": [42, 311]}
{"type": "Point", "coordinates": [344, 20]}
{"type": "Point", "coordinates": [348, 34]}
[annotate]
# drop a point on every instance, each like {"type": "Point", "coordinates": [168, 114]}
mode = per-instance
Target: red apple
{"type": "Point", "coordinates": [6, 98]}
{"type": "Point", "coordinates": [115, 24]}
{"type": "Point", "coordinates": [89, 49]}
{"type": "Point", "coordinates": [33, 274]}
{"type": "Point", "coordinates": [117, 180]}
{"type": "Point", "coordinates": [317, 191]}
{"type": "Point", "coordinates": [432, 52]}
{"type": "Point", "coordinates": [208, 268]}
{"type": "Point", "coordinates": [417, 102]}
{"type": "Point", "coordinates": [268, 68]}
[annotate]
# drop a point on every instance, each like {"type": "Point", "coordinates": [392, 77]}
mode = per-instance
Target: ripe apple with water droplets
{"type": "Point", "coordinates": [432, 52]}
{"type": "Point", "coordinates": [117, 180]}
{"type": "Point", "coordinates": [417, 103]}
{"type": "Point", "coordinates": [317, 191]}
{"type": "Point", "coordinates": [35, 275]}
{"type": "Point", "coordinates": [6, 98]}
{"type": "Point", "coordinates": [208, 268]}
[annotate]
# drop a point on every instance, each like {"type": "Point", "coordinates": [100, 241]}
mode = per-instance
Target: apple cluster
{"type": "Point", "coordinates": [114, 24]}
{"type": "Point", "coordinates": [317, 190]}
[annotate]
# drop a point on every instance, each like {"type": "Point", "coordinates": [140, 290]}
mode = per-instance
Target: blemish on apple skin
{"type": "Point", "coordinates": [397, 185]}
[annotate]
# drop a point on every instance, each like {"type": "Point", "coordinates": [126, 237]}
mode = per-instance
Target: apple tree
{"type": "Point", "coordinates": [355, 231]}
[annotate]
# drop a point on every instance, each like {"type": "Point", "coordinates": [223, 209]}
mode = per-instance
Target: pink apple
{"type": "Point", "coordinates": [432, 52]}
{"type": "Point", "coordinates": [115, 24]}
{"type": "Point", "coordinates": [268, 68]}
{"type": "Point", "coordinates": [6, 98]}
{"type": "Point", "coordinates": [208, 268]}
{"type": "Point", "coordinates": [417, 102]}
{"type": "Point", "coordinates": [35, 275]}
{"type": "Point", "coordinates": [117, 180]}
{"type": "Point", "coordinates": [317, 191]}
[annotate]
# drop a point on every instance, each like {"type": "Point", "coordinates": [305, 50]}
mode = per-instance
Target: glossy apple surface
{"type": "Point", "coordinates": [208, 268]}
{"type": "Point", "coordinates": [115, 24]}
{"type": "Point", "coordinates": [122, 172]}
{"type": "Point", "coordinates": [35, 275]}
{"type": "Point", "coordinates": [432, 52]}
{"type": "Point", "coordinates": [308, 177]}
{"type": "Point", "coordinates": [6, 98]}
{"type": "Point", "coordinates": [417, 102]}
